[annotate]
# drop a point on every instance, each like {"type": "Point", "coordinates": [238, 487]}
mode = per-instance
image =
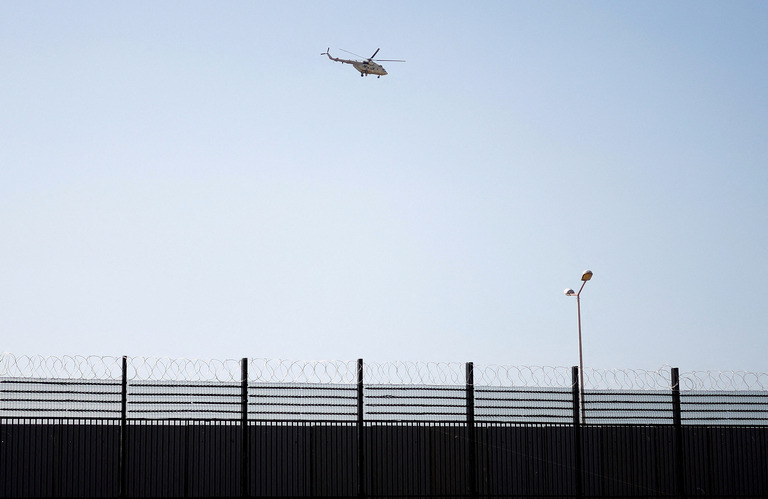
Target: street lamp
{"type": "Point", "coordinates": [587, 275]}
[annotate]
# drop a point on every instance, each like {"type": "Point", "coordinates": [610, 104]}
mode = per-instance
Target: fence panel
{"type": "Point", "coordinates": [641, 407]}
{"type": "Point", "coordinates": [302, 402]}
{"type": "Point", "coordinates": [163, 400]}
{"type": "Point", "coordinates": [59, 458]}
{"type": "Point", "coordinates": [302, 459]}
{"type": "Point", "coordinates": [726, 461]}
{"type": "Point", "coordinates": [719, 408]}
{"type": "Point", "coordinates": [59, 398]}
{"type": "Point", "coordinates": [521, 460]}
{"type": "Point", "coordinates": [416, 459]}
{"type": "Point", "coordinates": [629, 461]}
{"type": "Point", "coordinates": [523, 405]}
{"type": "Point", "coordinates": [183, 459]}
{"type": "Point", "coordinates": [414, 403]}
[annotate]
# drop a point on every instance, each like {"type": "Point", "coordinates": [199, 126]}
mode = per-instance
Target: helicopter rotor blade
{"type": "Point", "coordinates": [356, 55]}
{"type": "Point", "coordinates": [372, 57]}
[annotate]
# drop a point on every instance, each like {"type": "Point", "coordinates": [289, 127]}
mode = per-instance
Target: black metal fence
{"type": "Point", "coordinates": [127, 435]}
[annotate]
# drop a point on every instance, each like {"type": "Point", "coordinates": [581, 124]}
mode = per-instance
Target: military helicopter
{"type": "Point", "coordinates": [367, 66]}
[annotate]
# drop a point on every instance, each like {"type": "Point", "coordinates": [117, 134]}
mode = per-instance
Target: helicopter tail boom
{"type": "Point", "coordinates": [343, 61]}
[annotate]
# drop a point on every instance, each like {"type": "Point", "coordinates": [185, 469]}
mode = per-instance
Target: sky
{"type": "Point", "coordinates": [192, 179]}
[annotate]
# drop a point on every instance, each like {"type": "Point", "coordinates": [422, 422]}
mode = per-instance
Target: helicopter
{"type": "Point", "coordinates": [367, 66]}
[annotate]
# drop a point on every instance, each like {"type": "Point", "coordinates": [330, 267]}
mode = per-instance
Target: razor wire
{"type": "Point", "coordinates": [414, 373]}
{"type": "Point", "coordinates": [259, 370]}
{"type": "Point", "coordinates": [724, 381]}
{"type": "Point", "coordinates": [523, 376]}
{"type": "Point", "coordinates": [628, 379]}
{"type": "Point", "coordinates": [291, 371]}
{"type": "Point", "coordinates": [168, 369]}
{"type": "Point", "coordinates": [262, 370]}
{"type": "Point", "coordinates": [91, 367]}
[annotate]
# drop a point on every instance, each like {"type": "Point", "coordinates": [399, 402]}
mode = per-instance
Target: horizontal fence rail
{"type": "Point", "coordinates": [156, 427]}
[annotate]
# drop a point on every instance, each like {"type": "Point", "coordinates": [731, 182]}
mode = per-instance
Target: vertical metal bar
{"type": "Point", "coordinates": [56, 470]}
{"type": "Point", "coordinates": [577, 450]}
{"type": "Point", "coordinates": [312, 459]}
{"type": "Point", "coordinates": [123, 459]}
{"type": "Point", "coordinates": [187, 449]}
{"type": "Point", "coordinates": [677, 422]}
{"type": "Point", "coordinates": [471, 446]}
{"type": "Point", "coordinates": [677, 419]}
{"type": "Point", "coordinates": [244, 448]}
{"type": "Point", "coordinates": [360, 432]}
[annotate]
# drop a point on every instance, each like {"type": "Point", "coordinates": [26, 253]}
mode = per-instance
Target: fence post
{"type": "Point", "coordinates": [471, 446]}
{"type": "Point", "coordinates": [577, 454]}
{"type": "Point", "coordinates": [123, 459]}
{"type": "Point", "coordinates": [245, 456]}
{"type": "Point", "coordinates": [677, 422]}
{"type": "Point", "coordinates": [360, 434]}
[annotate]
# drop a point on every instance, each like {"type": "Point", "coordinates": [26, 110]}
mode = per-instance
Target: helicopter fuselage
{"type": "Point", "coordinates": [367, 67]}
{"type": "Point", "coordinates": [372, 68]}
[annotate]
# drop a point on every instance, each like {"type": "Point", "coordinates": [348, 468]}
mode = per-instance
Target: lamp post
{"type": "Point", "coordinates": [585, 276]}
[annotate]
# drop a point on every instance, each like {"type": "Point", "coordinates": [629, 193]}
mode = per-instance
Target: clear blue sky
{"type": "Point", "coordinates": [192, 179]}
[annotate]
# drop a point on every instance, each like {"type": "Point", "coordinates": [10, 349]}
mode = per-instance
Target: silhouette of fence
{"type": "Point", "coordinates": [120, 427]}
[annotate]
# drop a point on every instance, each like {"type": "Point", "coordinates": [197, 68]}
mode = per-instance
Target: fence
{"type": "Point", "coordinates": [120, 427]}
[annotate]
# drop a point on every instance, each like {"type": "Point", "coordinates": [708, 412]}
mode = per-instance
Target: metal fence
{"type": "Point", "coordinates": [137, 427]}
{"type": "Point", "coordinates": [267, 390]}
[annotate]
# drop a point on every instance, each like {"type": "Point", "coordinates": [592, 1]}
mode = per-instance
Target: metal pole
{"type": "Point", "coordinates": [581, 355]}
{"type": "Point", "coordinates": [245, 450]}
{"type": "Point", "coordinates": [585, 276]}
{"type": "Point", "coordinates": [576, 397]}
{"type": "Point", "coordinates": [471, 435]}
{"type": "Point", "coordinates": [677, 423]}
{"type": "Point", "coordinates": [124, 429]}
{"type": "Point", "coordinates": [360, 432]}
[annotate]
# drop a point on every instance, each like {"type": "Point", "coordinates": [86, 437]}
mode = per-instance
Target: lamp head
{"type": "Point", "coordinates": [570, 292]}
{"type": "Point", "coordinates": [587, 275]}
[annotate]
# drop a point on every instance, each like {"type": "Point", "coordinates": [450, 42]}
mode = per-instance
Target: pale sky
{"type": "Point", "coordinates": [193, 179]}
